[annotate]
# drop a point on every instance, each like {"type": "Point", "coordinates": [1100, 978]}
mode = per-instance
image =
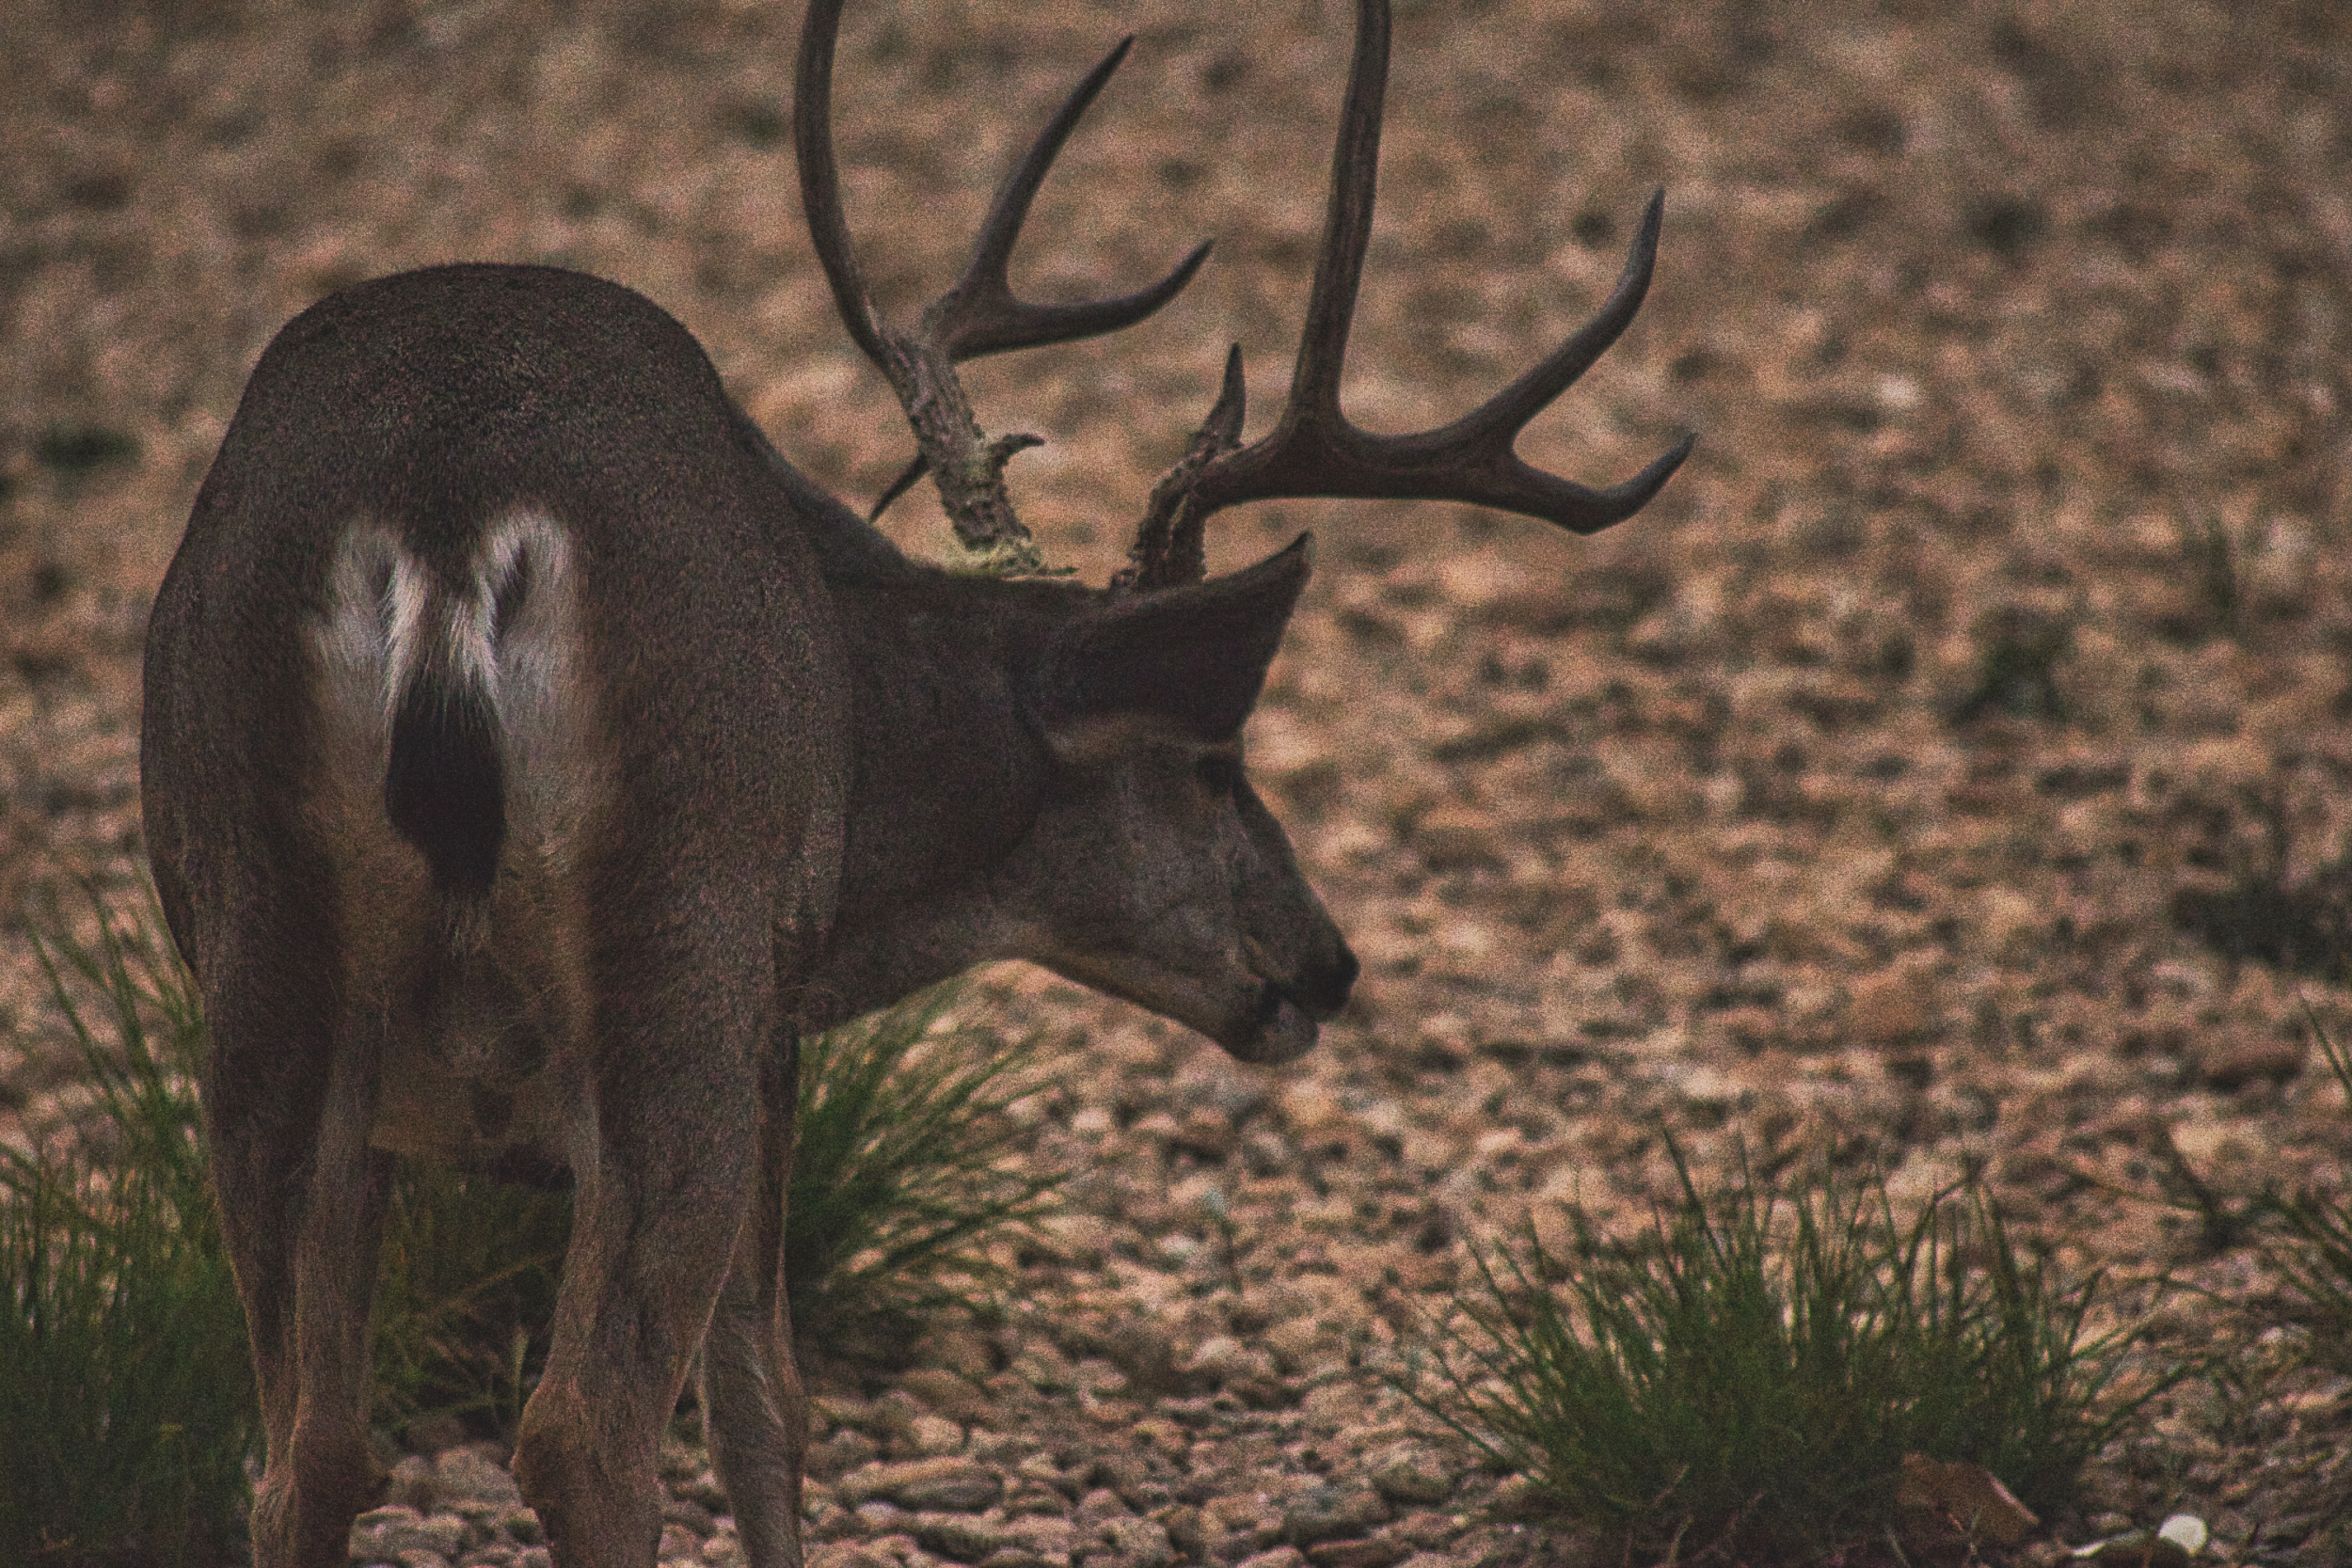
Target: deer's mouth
{"type": "Point", "coordinates": [1260, 1019]}
{"type": "Point", "coordinates": [1281, 1029]}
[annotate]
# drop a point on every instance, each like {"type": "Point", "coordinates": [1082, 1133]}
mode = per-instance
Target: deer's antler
{"type": "Point", "coordinates": [1314, 450]}
{"type": "Point", "coordinates": [979, 314]}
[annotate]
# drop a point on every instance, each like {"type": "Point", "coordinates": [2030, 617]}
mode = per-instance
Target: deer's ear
{"type": "Point", "coordinates": [1189, 659]}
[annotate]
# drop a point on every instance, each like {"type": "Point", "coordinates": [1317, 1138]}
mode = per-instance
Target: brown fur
{"type": "Point", "coordinates": [747, 773]}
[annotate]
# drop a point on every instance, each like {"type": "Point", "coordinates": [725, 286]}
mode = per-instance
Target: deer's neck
{"type": "Point", "coordinates": [946, 780]}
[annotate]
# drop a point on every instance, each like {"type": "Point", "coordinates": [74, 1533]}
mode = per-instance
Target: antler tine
{"type": "Point", "coordinates": [820, 179]}
{"type": "Point", "coordinates": [1314, 449]}
{"type": "Point", "coordinates": [968, 467]}
{"type": "Point", "coordinates": [979, 314]}
{"type": "Point", "coordinates": [1347, 230]}
{"type": "Point", "coordinates": [1168, 548]}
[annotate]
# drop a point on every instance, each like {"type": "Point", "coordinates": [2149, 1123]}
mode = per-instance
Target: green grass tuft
{"type": "Point", "coordinates": [126, 1399]}
{"type": "Point", "coordinates": [465, 1288]}
{"type": "Point", "coordinates": [1748, 1376]}
{"type": "Point", "coordinates": [904, 1166]}
{"type": "Point", "coordinates": [2307, 1238]}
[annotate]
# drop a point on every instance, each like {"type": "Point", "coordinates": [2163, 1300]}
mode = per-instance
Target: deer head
{"type": "Point", "coordinates": [1156, 874]}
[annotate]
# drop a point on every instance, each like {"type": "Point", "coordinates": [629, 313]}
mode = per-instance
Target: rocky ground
{"type": "Point", "coordinates": [1947, 773]}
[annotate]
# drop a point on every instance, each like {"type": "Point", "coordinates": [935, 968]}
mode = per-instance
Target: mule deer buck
{"type": "Point", "coordinates": [531, 756]}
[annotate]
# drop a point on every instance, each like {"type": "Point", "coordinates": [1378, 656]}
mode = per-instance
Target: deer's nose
{"type": "Point", "coordinates": [1324, 982]}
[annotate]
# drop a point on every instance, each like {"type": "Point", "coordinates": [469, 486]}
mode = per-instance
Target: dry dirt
{"type": "Point", "coordinates": [1946, 773]}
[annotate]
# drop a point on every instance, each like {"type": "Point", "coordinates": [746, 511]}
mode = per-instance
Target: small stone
{"type": "Point", "coordinates": [1144, 1353]}
{"type": "Point", "coordinates": [999, 1450]}
{"type": "Point", "coordinates": [1160, 1434]}
{"type": "Point", "coordinates": [1328, 1512]}
{"type": "Point", "coordinates": [965, 1352]}
{"type": "Point", "coordinates": [680, 1545]}
{"type": "Point", "coordinates": [1131, 1477]}
{"type": "Point", "coordinates": [935, 1436]}
{"type": "Point", "coordinates": [845, 1554]}
{"type": "Point", "coordinates": [1298, 1344]}
{"type": "Point", "coordinates": [1140, 1543]}
{"type": "Point", "coordinates": [471, 1478]}
{"type": "Point", "coordinates": [1281, 1556]}
{"type": "Point", "coordinates": [1017, 1557]}
{"type": "Point", "coordinates": [382, 1534]}
{"type": "Point", "coordinates": [895, 1411]}
{"type": "Point", "coordinates": [830, 1521]}
{"type": "Point", "coordinates": [1424, 1531]}
{"type": "Point", "coordinates": [840, 1410]}
{"type": "Point", "coordinates": [1893, 1005]}
{"type": "Point", "coordinates": [1410, 1473]}
{"type": "Point", "coordinates": [950, 1395]}
{"type": "Point", "coordinates": [1482, 581]}
{"type": "Point", "coordinates": [1334, 1404]}
{"type": "Point", "coordinates": [1371, 1552]}
{"type": "Point", "coordinates": [1038, 1497]}
{"type": "Point", "coordinates": [965, 1537]}
{"type": "Point", "coordinates": [705, 1489]}
{"type": "Point", "coordinates": [845, 1450]}
{"type": "Point", "coordinates": [1187, 1531]}
{"type": "Point", "coordinates": [1240, 1511]}
{"type": "Point", "coordinates": [1517, 1498]}
{"type": "Point", "coordinates": [1040, 1469]}
{"type": "Point", "coordinates": [411, 1483]}
{"type": "Point", "coordinates": [1045, 1368]}
{"type": "Point", "coordinates": [2233, 1063]}
{"type": "Point", "coordinates": [878, 1517]}
{"type": "Point", "coordinates": [1455, 837]}
{"type": "Point", "coordinates": [691, 1514]}
{"type": "Point", "coordinates": [945, 1484]}
{"type": "Point", "coordinates": [1218, 1357]}
{"type": "Point", "coordinates": [725, 1550]}
{"type": "Point", "coordinates": [1046, 1537]}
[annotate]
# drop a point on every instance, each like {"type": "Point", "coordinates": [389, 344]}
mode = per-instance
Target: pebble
{"type": "Point", "coordinates": [1410, 1473]}
{"type": "Point", "coordinates": [1325, 1513]}
{"type": "Point", "coordinates": [387, 1534]}
{"type": "Point", "coordinates": [946, 1483]}
{"type": "Point", "coordinates": [2233, 1062]}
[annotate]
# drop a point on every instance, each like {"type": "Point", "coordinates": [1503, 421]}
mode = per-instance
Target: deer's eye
{"type": "Point", "coordinates": [1219, 772]}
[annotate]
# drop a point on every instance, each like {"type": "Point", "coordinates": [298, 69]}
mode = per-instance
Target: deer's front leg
{"type": "Point", "coordinates": [755, 1418]}
{"type": "Point", "coordinates": [302, 1202]}
{"type": "Point", "coordinates": [658, 1212]}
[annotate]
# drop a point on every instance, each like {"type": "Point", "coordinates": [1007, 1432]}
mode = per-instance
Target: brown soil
{"type": "Point", "coordinates": [1947, 773]}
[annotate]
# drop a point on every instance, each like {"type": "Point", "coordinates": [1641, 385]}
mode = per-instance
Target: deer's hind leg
{"type": "Point", "coordinates": [755, 1417]}
{"type": "Point", "coordinates": [666, 1172]}
{"type": "Point", "coordinates": [289, 1098]}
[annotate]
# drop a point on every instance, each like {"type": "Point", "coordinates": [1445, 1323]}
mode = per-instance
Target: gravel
{"type": "Point", "coordinates": [1946, 774]}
